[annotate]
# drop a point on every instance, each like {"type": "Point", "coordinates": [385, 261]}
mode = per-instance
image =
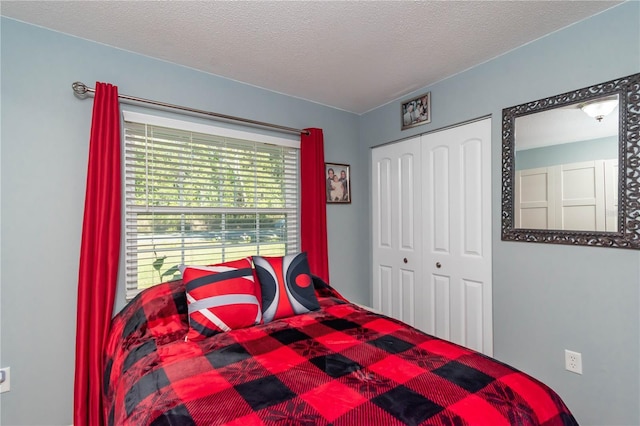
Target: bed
{"type": "Point", "coordinates": [338, 364]}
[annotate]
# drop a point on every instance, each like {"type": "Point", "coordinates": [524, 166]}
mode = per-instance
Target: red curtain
{"type": "Point", "coordinates": [99, 253]}
{"type": "Point", "coordinates": [313, 210]}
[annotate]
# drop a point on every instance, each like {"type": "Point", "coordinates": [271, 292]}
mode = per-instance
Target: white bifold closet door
{"type": "Point", "coordinates": [432, 233]}
{"type": "Point", "coordinates": [397, 230]}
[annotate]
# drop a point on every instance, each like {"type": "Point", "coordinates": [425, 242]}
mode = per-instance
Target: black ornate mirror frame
{"type": "Point", "coordinates": [628, 234]}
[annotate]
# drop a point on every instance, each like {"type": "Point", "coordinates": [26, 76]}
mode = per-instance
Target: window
{"type": "Point", "coordinates": [198, 194]}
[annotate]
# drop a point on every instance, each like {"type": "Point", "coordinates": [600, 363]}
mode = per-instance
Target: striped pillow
{"type": "Point", "coordinates": [220, 298]}
{"type": "Point", "coordinates": [286, 285]}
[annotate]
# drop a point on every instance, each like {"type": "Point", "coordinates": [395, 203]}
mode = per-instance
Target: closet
{"type": "Point", "coordinates": [431, 202]}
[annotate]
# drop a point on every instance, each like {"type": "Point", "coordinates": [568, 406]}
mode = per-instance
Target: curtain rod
{"type": "Point", "coordinates": [81, 90]}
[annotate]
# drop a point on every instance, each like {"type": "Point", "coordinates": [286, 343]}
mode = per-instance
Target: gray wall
{"type": "Point", "coordinates": [567, 153]}
{"type": "Point", "coordinates": [45, 133]}
{"type": "Point", "coordinates": [547, 298]}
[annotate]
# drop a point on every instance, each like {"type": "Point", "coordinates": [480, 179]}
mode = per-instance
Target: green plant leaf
{"type": "Point", "coordinates": [157, 264]}
{"type": "Point", "coordinates": [171, 271]}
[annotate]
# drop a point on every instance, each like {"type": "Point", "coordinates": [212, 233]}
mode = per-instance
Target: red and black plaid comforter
{"type": "Point", "coordinates": [341, 365]}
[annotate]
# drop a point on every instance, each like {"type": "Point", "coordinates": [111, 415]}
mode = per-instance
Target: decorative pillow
{"type": "Point", "coordinates": [220, 297]}
{"type": "Point", "coordinates": [286, 285]}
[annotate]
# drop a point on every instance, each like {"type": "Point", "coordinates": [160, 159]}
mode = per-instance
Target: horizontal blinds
{"type": "Point", "coordinates": [195, 198]}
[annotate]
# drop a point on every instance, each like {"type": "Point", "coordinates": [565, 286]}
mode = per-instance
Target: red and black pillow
{"type": "Point", "coordinates": [220, 298]}
{"type": "Point", "coordinates": [286, 285]}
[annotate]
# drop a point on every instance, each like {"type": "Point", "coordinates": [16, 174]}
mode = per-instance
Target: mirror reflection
{"type": "Point", "coordinates": [571, 167]}
{"type": "Point", "coordinates": [566, 167]}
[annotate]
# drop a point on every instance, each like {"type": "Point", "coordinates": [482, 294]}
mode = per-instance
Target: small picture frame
{"type": "Point", "coordinates": [416, 111]}
{"type": "Point", "coordinates": [338, 180]}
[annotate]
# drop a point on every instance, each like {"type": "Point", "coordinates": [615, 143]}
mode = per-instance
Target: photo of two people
{"type": "Point", "coordinates": [338, 183]}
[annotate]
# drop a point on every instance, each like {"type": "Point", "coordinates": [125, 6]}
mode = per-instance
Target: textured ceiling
{"type": "Point", "coordinates": [352, 55]}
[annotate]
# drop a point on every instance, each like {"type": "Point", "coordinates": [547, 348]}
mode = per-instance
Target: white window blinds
{"type": "Point", "coordinates": [200, 198]}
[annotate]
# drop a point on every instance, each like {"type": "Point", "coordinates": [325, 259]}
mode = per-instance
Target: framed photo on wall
{"type": "Point", "coordinates": [416, 111]}
{"type": "Point", "coordinates": [338, 179]}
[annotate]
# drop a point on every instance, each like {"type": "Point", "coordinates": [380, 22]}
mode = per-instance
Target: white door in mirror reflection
{"type": "Point", "coordinates": [578, 196]}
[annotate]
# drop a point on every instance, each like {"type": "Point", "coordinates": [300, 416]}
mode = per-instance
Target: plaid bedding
{"type": "Point", "coordinates": [341, 365]}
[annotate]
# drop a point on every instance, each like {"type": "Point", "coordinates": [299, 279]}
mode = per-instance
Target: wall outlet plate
{"type": "Point", "coordinates": [573, 361]}
{"type": "Point", "coordinates": [5, 379]}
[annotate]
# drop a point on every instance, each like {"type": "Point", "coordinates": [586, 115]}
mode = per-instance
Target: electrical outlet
{"type": "Point", "coordinates": [5, 379]}
{"type": "Point", "coordinates": [573, 361]}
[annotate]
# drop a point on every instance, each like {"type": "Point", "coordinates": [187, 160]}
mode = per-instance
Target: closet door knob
{"type": "Point", "coordinates": [438, 265]}
{"type": "Point", "coordinates": [405, 260]}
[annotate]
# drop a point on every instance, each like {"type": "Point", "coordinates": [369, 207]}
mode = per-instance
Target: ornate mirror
{"type": "Point", "coordinates": [571, 167]}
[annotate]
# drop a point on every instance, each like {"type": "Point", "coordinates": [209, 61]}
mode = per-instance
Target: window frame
{"type": "Point", "coordinates": [215, 131]}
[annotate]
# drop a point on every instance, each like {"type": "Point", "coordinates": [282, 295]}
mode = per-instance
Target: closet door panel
{"type": "Point", "coordinates": [441, 311]}
{"type": "Point", "coordinates": [396, 229]}
{"type": "Point", "coordinates": [406, 203]}
{"type": "Point", "coordinates": [457, 234]}
{"type": "Point", "coordinates": [438, 204]}
{"type": "Point", "coordinates": [472, 197]}
{"type": "Point", "coordinates": [384, 208]}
